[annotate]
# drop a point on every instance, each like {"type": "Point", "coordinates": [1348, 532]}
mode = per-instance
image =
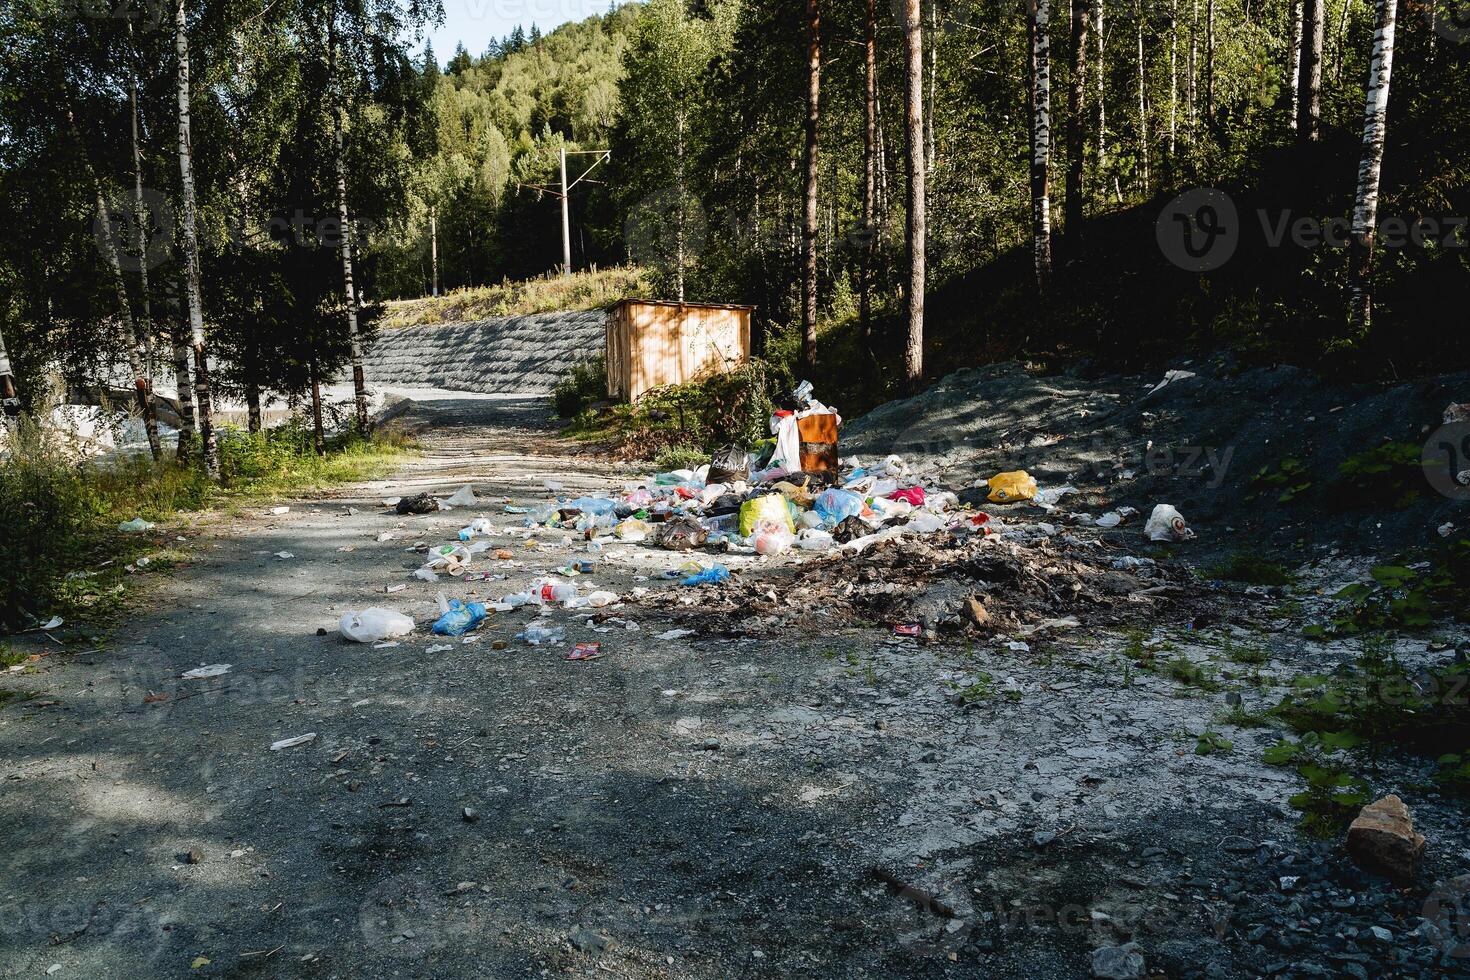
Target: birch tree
{"type": "Point", "coordinates": [870, 168]}
{"type": "Point", "coordinates": [349, 284]}
{"type": "Point", "coordinates": [809, 195]}
{"type": "Point", "coordinates": [1365, 205]}
{"type": "Point", "coordinates": [1101, 91]}
{"type": "Point", "coordinates": [191, 250]}
{"type": "Point", "coordinates": [1076, 140]}
{"type": "Point", "coordinates": [917, 230]}
{"type": "Point", "coordinates": [1294, 65]}
{"type": "Point", "coordinates": [1040, 31]}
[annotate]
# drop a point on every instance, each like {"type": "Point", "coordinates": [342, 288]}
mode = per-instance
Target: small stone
{"type": "Point", "coordinates": [588, 941]}
{"type": "Point", "coordinates": [975, 611]}
{"type": "Point", "coordinates": [470, 814]}
{"type": "Point", "coordinates": [1118, 962]}
{"type": "Point", "coordinates": [321, 631]}
{"type": "Point", "coordinates": [499, 645]}
{"type": "Point", "coordinates": [1382, 840]}
{"type": "Point", "coordinates": [709, 745]}
{"type": "Point", "coordinates": [1381, 934]}
{"type": "Point", "coordinates": [195, 856]}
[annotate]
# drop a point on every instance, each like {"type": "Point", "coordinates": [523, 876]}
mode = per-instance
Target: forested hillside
{"type": "Point", "coordinates": [900, 187]}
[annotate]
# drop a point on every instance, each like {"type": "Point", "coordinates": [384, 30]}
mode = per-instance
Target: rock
{"type": "Point", "coordinates": [1118, 962]}
{"type": "Point", "coordinates": [1382, 840]}
{"type": "Point", "coordinates": [470, 814]}
{"type": "Point", "coordinates": [195, 856]}
{"type": "Point", "coordinates": [588, 941]}
{"type": "Point", "coordinates": [1381, 934]}
{"type": "Point", "coordinates": [975, 611]}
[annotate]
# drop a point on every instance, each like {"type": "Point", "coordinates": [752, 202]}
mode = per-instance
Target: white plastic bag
{"type": "Point", "coordinates": [813, 539]}
{"type": "Point", "coordinates": [1167, 524]}
{"type": "Point", "coordinates": [374, 624]}
{"type": "Point", "coordinates": [463, 497]}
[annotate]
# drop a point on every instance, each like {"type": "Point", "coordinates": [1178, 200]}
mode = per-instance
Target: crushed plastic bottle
{"type": "Point", "coordinates": [536, 635]}
{"type": "Point", "coordinates": [459, 618]}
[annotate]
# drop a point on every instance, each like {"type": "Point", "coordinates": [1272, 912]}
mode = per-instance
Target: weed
{"type": "Point", "coordinates": [1211, 743]}
{"type": "Point", "coordinates": [1288, 479]}
{"type": "Point", "coordinates": [1250, 568]}
{"type": "Point", "coordinates": [1250, 656]}
{"type": "Point", "coordinates": [583, 385]}
{"type": "Point", "coordinates": [1333, 795]}
{"type": "Point", "coordinates": [1239, 717]}
{"type": "Point", "coordinates": [1191, 674]}
{"type": "Point", "coordinates": [1388, 474]}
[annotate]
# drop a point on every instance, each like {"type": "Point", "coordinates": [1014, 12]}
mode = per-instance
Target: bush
{"type": "Point", "coordinates": [45, 512]}
{"type": "Point", "coordinates": [580, 387]}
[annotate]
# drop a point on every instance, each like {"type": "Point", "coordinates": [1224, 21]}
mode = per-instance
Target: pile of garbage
{"type": "Point", "coordinates": [793, 502]}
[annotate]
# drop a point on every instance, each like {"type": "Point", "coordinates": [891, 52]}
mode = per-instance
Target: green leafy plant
{"type": "Point", "coordinates": [1333, 795]}
{"type": "Point", "coordinates": [1288, 479]}
{"type": "Point", "coordinates": [1210, 743]}
{"type": "Point", "coordinates": [1391, 473]}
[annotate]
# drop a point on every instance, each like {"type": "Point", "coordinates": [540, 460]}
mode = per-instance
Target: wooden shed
{"type": "Point", "coordinates": [651, 343]}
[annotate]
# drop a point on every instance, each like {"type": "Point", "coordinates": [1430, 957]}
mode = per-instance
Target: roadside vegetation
{"type": "Point", "coordinates": [552, 292]}
{"type": "Point", "coordinates": [60, 541]}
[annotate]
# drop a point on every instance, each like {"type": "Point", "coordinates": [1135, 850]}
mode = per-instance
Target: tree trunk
{"type": "Point", "coordinates": [191, 252]}
{"type": "Point", "coordinates": [1309, 84]}
{"type": "Point", "coordinates": [1039, 25]}
{"type": "Point", "coordinates": [932, 111]}
{"type": "Point", "coordinates": [809, 213]}
{"type": "Point", "coordinates": [1339, 51]}
{"type": "Point", "coordinates": [917, 229]}
{"type": "Point", "coordinates": [1365, 207]}
{"type": "Point", "coordinates": [187, 427]}
{"type": "Point", "coordinates": [1193, 68]}
{"type": "Point", "coordinates": [1210, 63]}
{"type": "Point", "coordinates": [141, 221]}
{"type": "Point", "coordinates": [349, 289]}
{"type": "Point", "coordinates": [1173, 76]}
{"type": "Point", "coordinates": [1102, 102]}
{"type": "Point", "coordinates": [9, 398]}
{"type": "Point", "coordinates": [1294, 64]}
{"type": "Point", "coordinates": [870, 169]}
{"type": "Point", "coordinates": [1142, 108]}
{"type": "Point", "coordinates": [131, 342]}
{"type": "Point", "coordinates": [1076, 140]}
{"type": "Point", "coordinates": [319, 437]}
{"type": "Point", "coordinates": [680, 179]}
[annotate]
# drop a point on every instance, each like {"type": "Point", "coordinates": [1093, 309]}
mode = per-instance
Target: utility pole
{"type": "Point", "coordinates": [434, 247]}
{"type": "Point", "coordinates": [564, 191]}
{"type": "Point", "coordinates": [566, 220]}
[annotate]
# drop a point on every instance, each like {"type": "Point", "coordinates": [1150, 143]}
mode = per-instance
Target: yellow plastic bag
{"type": "Point", "coordinates": [1006, 488]}
{"type": "Point", "coordinates": [770, 509]}
{"type": "Point", "coordinates": [799, 495]}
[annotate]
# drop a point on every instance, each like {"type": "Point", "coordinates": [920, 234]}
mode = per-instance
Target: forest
{"type": "Point", "coordinates": [225, 191]}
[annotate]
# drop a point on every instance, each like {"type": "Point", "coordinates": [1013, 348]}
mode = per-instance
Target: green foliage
{"type": "Point", "coordinates": [1388, 474]}
{"type": "Point", "coordinates": [583, 385]}
{"type": "Point", "coordinates": [1398, 596]}
{"type": "Point", "coordinates": [1191, 674]}
{"type": "Point", "coordinates": [1252, 568]}
{"type": "Point", "coordinates": [543, 294]}
{"type": "Point", "coordinates": [733, 408]}
{"type": "Point", "coordinates": [1288, 479]}
{"type": "Point", "coordinates": [1211, 743]}
{"type": "Point", "coordinates": [1333, 795]}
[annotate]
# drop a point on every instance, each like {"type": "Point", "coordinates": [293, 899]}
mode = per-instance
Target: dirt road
{"type": "Point", "coordinates": [693, 807]}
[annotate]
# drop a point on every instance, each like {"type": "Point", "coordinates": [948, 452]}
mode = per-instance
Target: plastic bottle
{"type": "Point", "coordinates": [550, 590]}
{"type": "Point", "coordinates": [536, 635]}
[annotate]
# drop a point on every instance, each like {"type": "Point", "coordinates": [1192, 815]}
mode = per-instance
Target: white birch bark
{"type": "Point", "coordinates": [1041, 142]}
{"type": "Point", "coordinates": [1375, 129]}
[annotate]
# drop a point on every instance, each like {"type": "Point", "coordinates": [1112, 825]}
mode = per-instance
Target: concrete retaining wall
{"type": "Point", "coordinates": [508, 355]}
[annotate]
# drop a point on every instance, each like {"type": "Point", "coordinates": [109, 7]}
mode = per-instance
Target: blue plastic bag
{"type": "Point", "coordinates": [460, 619]}
{"type": "Point", "coordinates": [834, 506]}
{"type": "Point", "coordinates": [710, 576]}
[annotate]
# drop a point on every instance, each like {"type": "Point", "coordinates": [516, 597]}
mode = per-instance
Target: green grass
{"type": "Point", "coordinates": [1251, 569]}
{"type": "Point", "coordinates": [59, 537]}
{"type": "Point", "coordinates": [580, 291]}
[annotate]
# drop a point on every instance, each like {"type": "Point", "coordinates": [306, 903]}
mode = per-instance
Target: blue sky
{"type": "Point", "coordinates": [475, 22]}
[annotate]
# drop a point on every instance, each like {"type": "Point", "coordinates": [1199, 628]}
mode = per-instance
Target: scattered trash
{"type": "Point", "coordinates": [1446, 529]}
{"type": "Point", "coordinates": [907, 629]}
{"type": "Point", "coordinates": [423, 503]}
{"type": "Point", "coordinates": [440, 648]}
{"type": "Point", "coordinates": [463, 497]}
{"type": "Point", "coordinates": [1167, 524]}
{"type": "Point", "coordinates": [135, 525]}
{"type": "Point", "coordinates": [586, 651]}
{"type": "Point", "coordinates": [710, 576]}
{"type": "Point", "coordinates": [212, 670]}
{"type": "Point", "coordinates": [536, 635]}
{"type": "Point", "coordinates": [52, 623]}
{"type": "Point", "coordinates": [675, 634]}
{"type": "Point", "coordinates": [1005, 488]}
{"type": "Point", "coordinates": [278, 511]}
{"type": "Point", "coordinates": [426, 575]}
{"type": "Point", "coordinates": [457, 618]}
{"type": "Point", "coordinates": [284, 555]}
{"type": "Point", "coordinates": [291, 743]}
{"type": "Point", "coordinates": [374, 624]}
